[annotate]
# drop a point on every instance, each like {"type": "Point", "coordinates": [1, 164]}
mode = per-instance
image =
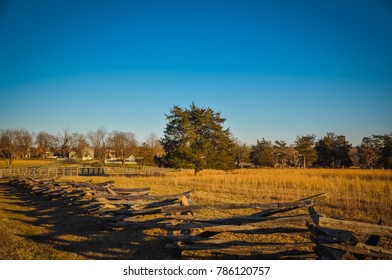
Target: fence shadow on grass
{"type": "Point", "coordinates": [69, 228]}
{"type": "Point", "coordinates": [97, 221]}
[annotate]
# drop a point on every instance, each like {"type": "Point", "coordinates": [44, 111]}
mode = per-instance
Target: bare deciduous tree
{"type": "Point", "coordinates": [78, 144]}
{"type": "Point", "coordinates": [293, 157]}
{"type": "Point", "coordinates": [98, 140]}
{"type": "Point", "coordinates": [64, 142]}
{"type": "Point", "coordinates": [243, 152]}
{"type": "Point", "coordinates": [124, 144]}
{"type": "Point", "coordinates": [8, 144]}
{"type": "Point", "coordinates": [15, 143]}
{"type": "Point", "coordinates": [44, 142]}
{"type": "Point", "coordinates": [149, 150]}
{"type": "Point", "coordinates": [25, 141]}
{"type": "Point", "coordinates": [153, 142]}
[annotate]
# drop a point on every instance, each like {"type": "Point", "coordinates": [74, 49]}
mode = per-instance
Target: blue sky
{"type": "Point", "coordinates": [275, 69]}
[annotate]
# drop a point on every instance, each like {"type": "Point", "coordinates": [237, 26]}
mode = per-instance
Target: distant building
{"type": "Point", "coordinates": [129, 160]}
{"type": "Point", "coordinates": [51, 155]}
{"type": "Point", "coordinates": [72, 155]}
{"type": "Point", "coordinates": [110, 154]}
{"type": "Point", "coordinates": [88, 153]}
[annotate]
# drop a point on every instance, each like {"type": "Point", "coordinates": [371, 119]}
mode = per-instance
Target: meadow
{"type": "Point", "coordinates": [28, 162]}
{"type": "Point", "coordinates": [27, 231]}
{"type": "Point", "coordinates": [362, 195]}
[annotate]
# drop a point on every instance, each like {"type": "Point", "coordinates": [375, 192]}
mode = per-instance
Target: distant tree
{"type": "Point", "coordinates": [15, 143]}
{"type": "Point", "coordinates": [64, 142]}
{"type": "Point", "coordinates": [150, 151]}
{"type": "Point", "coordinates": [124, 144]}
{"type": "Point", "coordinates": [369, 152]}
{"type": "Point", "coordinates": [261, 154]}
{"type": "Point", "coordinates": [376, 151]}
{"type": "Point", "coordinates": [305, 147]}
{"type": "Point", "coordinates": [145, 154]}
{"type": "Point", "coordinates": [293, 157]}
{"type": "Point", "coordinates": [8, 144]}
{"type": "Point", "coordinates": [78, 144]}
{"type": "Point", "coordinates": [354, 157]}
{"type": "Point", "coordinates": [243, 152]}
{"type": "Point", "coordinates": [281, 153]}
{"type": "Point", "coordinates": [333, 151]}
{"type": "Point", "coordinates": [44, 142]}
{"type": "Point", "coordinates": [153, 142]}
{"type": "Point", "coordinates": [342, 150]}
{"type": "Point", "coordinates": [386, 151]}
{"type": "Point", "coordinates": [25, 141]}
{"type": "Point", "coordinates": [98, 140]}
{"type": "Point", "coordinates": [325, 150]}
{"type": "Point", "coordinates": [195, 138]}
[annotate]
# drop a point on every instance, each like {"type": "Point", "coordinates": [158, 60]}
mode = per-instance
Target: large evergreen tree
{"type": "Point", "coordinates": [195, 138]}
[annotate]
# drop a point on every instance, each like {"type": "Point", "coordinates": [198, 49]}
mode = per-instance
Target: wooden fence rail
{"type": "Point", "coordinates": [58, 171]}
{"type": "Point", "coordinates": [336, 239]}
{"type": "Point", "coordinates": [285, 230]}
{"type": "Point", "coordinates": [192, 233]}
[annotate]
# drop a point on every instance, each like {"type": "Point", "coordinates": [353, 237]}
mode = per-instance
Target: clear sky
{"type": "Point", "coordinates": [275, 69]}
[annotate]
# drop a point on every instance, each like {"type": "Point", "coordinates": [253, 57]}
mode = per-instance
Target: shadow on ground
{"type": "Point", "coordinates": [70, 228]}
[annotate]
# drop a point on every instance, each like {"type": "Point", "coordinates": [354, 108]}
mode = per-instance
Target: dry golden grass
{"type": "Point", "coordinates": [27, 162]}
{"type": "Point", "coordinates": [32, 228]}
{"type": "Point", "coordinates": [362, 195]}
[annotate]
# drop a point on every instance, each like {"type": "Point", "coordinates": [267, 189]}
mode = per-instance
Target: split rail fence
{"type": "Point", "coordinates": [190, 232]}
{"type": "Point", "coordinates": [57, 171]}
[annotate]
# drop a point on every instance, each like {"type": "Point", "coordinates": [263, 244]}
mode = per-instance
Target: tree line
{"type": "Point", "coordinates": [195, 138]}
{"type": "Point", "coordinates": [331, 151]}
{"type": "Point", "coordinates": [21, 143]}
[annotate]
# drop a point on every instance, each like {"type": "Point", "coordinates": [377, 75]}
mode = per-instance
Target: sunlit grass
{"type": "Point", "coordinates": [17, 225]}
{"type": "Point", "coordinates": [27, 162]}
{"type": "Point", "coordinates": [363, 195]}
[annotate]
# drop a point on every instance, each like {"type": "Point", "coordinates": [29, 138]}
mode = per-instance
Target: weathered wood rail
{"type": "Point", "coordinates": [285, 230]}
{"type": "Point", "coordinates": [58, 171]}
{"type": "Point", "coordinates": [214, 236]}
{"type": "Point", "coordinates": [50, 171]}
{"type": "Point", "coordinates": [337, 239]}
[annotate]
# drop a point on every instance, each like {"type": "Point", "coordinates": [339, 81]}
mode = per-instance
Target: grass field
{"type": "Point", "coordinates": [363, 195]}
{"type": "Point", "coordinates": [27, 162]}
{"type": "Point", "coordinates": [44, 230]}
